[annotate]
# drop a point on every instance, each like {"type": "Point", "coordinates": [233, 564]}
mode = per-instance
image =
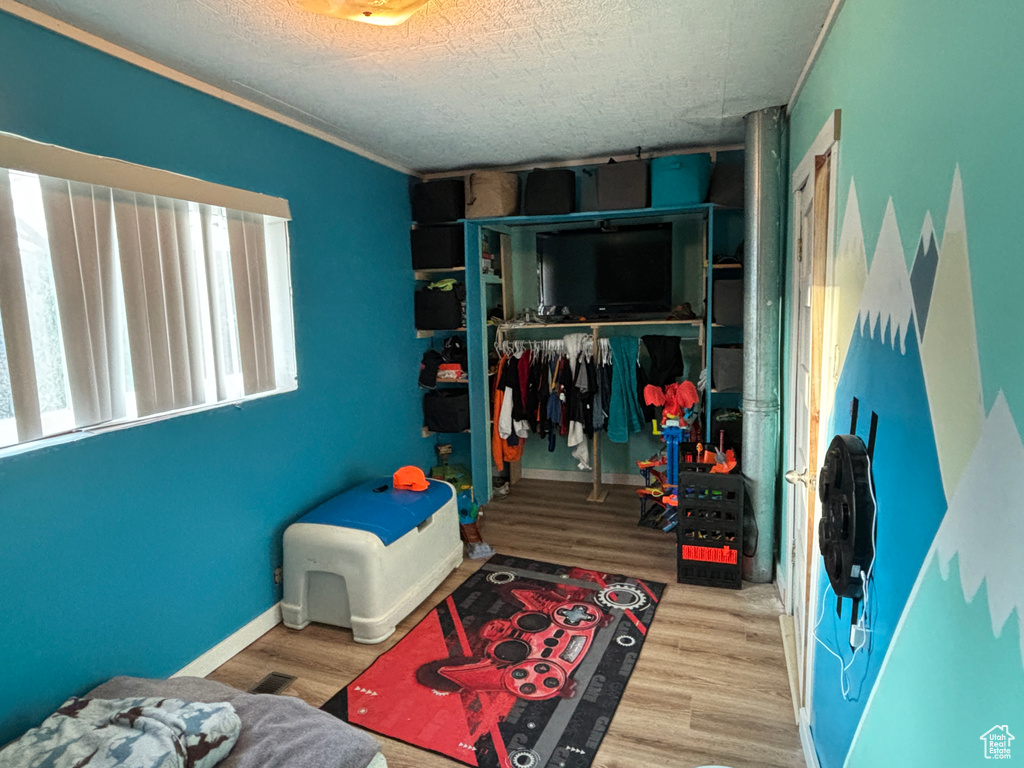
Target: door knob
{"type": "Point", "coordinates": [795, 477]}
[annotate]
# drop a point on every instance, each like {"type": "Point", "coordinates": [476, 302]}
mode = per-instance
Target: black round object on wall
{"type": "Point", "coordinates": [847, 515]}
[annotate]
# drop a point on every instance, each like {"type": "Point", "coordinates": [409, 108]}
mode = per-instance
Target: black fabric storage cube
{"type": "Point", "coordinates": [446, 410]}
{"type": "Point", "coordinates": [438, 247]}
{"type": "Point", "coordinates": [550, 192]}
{"type": "Point", "coordinates": [726, 188]}
{"type": "Point", "coordinates": [622, 185]}
{"type": "Point", "coordinates": [727, 302]}
{"type": "Point", "coordinates": [434, 202]}
{"type": "Point", "coordinates": [437, 310]}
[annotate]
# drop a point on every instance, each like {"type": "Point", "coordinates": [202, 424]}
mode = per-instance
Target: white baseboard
{"type": "Point", "coordinates": [807, 740]}
{"type": "Point", "coordinates": [581, 476]}
{"type": "Point", "coordinates": [233, 644]}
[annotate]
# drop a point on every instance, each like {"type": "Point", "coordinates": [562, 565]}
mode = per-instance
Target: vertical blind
{"type": "Point", "coordinates": [118, 305]}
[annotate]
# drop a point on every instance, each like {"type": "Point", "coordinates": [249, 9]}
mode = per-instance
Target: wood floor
{"type": "Point", "coordinates": [710, 686]}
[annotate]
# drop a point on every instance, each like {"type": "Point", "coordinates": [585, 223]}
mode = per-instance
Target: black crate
{"type": "Point", "coordinates": [438, 247]}
{"type": "Point", "coordinates": [689, 451]}
{"type": "Point", "coordinates": [435, 202]}
{"type": "Point", "coordinates": [446, 410]}
{"type": "Point", "coordinates": [437, 310]}
{"type": "Point", "coordinates": [550, 191]}
{"type": "Point", "coordinates": [710, 531]}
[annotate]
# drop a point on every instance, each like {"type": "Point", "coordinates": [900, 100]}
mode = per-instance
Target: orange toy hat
{"type": "Point", "coordinates": [410, 479]}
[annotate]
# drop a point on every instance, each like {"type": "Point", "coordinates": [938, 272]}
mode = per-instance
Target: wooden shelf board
{"type": "Point", "coordinates": [584, 216]}
{"type": "Point", "coordinates": [601, 324]}
{"type": "Point", "coordinates": [427, 433]}
{"type": "Point", "coordinates": [428, 274]}
{"type": "Point", "coordinates": [429, 334]}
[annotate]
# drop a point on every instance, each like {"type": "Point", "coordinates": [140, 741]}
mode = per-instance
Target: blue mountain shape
{"type": "Point", "coordinates": [911, 505]}
{"type": "Point", "coordinates": [948, 681]}
{"type": "Point", "coordinates": [922, 277]}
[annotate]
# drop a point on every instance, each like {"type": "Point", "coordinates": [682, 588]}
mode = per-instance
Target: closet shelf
{"type": "Point", "coordinates": [600, 324]}
{"type": "Point", "coordinates": [430, 334]}
{"type": "Point", "coordinates": [430, 274]}
{"type": "Point", "coordinates": [491, 279]}
{"type": "Point", "coordinates": [427, 433]}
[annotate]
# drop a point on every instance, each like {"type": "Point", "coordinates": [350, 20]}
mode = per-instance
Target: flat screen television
{"type": "Point", "coordinates": [606, 272]}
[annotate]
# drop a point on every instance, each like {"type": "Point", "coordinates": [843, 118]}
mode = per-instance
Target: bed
{"type": "Point", "coordinates": [275, 731]}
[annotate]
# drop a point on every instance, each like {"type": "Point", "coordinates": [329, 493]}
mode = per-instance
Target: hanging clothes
{"type": "Point", "coordinates": [504, 414]}
{"type": "Point", "coordinates": [578, 400]}
{"type": "Point", "coordinates": [603, 394]}
{"type": "Point", "coordinates": [512, 422]}
{"type": "Point", "coordinates": [666, 360]}
{"type": "Point", "coordinates": [624, 414]}
{"type": "Point", "coordinates": [501, 451]}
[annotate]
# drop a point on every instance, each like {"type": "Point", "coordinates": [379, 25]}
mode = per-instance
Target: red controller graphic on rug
{"type": "Point", "coordinates": [531, 655]}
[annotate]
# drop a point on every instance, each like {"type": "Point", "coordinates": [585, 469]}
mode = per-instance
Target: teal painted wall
{"type": "Point", "coordinates": [931, 94]}
{"type": "Point", "coordinates": [136, 551]}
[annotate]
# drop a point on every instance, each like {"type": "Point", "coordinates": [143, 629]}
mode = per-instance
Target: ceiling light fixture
{"type": "Point", "coordinates": [387, 13]}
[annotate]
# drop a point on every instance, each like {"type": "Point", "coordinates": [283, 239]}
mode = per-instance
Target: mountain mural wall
{"type": "Point", "coordinates": [931, 565]}
{"type": "Point", "coordinates": [949, 346]}
{"type": "Point", "coordinates": [930, 101]}
{"type": "Point", "coordinates": [883, 371]}
{"type": "Point", "coordinates": [961, 639]}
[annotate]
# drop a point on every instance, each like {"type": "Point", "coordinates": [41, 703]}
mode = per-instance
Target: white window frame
{"type": "Point", "coordinates": [21, 154]}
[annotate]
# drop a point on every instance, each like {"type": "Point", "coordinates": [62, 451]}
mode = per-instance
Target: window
{"type": "Point", "coordinates": [120, 304]}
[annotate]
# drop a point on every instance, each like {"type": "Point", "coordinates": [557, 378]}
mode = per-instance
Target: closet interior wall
{"type": "Point", "coordinates": [694, 242]}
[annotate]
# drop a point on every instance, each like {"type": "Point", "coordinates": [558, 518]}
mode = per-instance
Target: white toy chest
{"type": "Point", "coordinates": [367, 557]}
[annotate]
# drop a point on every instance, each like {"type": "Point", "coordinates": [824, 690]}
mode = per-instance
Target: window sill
{"type": "Point", "coordinates": [100, 429]}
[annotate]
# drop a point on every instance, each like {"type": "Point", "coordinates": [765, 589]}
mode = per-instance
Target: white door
{"type": "Point", "coordinates": [799, 473]}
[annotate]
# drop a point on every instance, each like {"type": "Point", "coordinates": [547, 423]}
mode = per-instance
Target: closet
{"type": "Point", "coordinates": [507, 248]}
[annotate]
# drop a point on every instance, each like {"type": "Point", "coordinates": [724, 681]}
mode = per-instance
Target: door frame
{"type": "Point", "coordinates": [826, 144]}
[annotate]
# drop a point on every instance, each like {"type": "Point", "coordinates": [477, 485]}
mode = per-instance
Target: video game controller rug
{"type": "Point", "coordinates": [522, 666]}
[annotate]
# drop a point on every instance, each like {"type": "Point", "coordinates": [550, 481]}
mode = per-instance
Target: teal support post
{"type": "Point", "coordinates": [476, 341]}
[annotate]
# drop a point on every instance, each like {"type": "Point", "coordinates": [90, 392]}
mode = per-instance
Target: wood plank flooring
{"type": "Point", "coordinates": [710, 687]}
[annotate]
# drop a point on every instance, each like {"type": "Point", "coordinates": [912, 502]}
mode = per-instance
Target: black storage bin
{"type": "Point", "coordinates": [623, 185]}
{"type": "Point", "coordinates": [438, 310]}
{"type": "Point", "coordinates": [434, 202]}
{"type": "Point", "coordinates": [726, 188]}
{"type": "Point", "coordinates": [438, 247]}
{"type": "Point", "coordinates": [550, 192]}
{"type": "Point", "coordinates": [727, 368]}
{"type": "Point", "coordinates": [709, 536]}
{"type": "Point", "coordinates": [727, 302]}
{"type": "Point", "coordinates": [446, 410]}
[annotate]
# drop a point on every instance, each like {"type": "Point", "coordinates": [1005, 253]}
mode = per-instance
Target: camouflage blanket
{"type": "Point", "coordinates": [128, 733]}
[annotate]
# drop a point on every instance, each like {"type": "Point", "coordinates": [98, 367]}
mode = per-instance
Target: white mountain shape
{"type": "Point", "coordinates": [984, 524]}
{"type": "Point", "coordinates": [949, 349]}
{"type": "Point", "coordinates": [887, 300]}
{"type": "Point", "coordinates": [851, 272]}
{"type": "Point", "coordinates": [922, 273]}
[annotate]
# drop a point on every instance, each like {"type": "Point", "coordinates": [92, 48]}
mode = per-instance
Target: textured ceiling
{"type": "Point", "coordinates": [474, 83]}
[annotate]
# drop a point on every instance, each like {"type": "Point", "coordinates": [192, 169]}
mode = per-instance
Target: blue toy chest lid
{"type": "Point", "coordinates": [377, 508]}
